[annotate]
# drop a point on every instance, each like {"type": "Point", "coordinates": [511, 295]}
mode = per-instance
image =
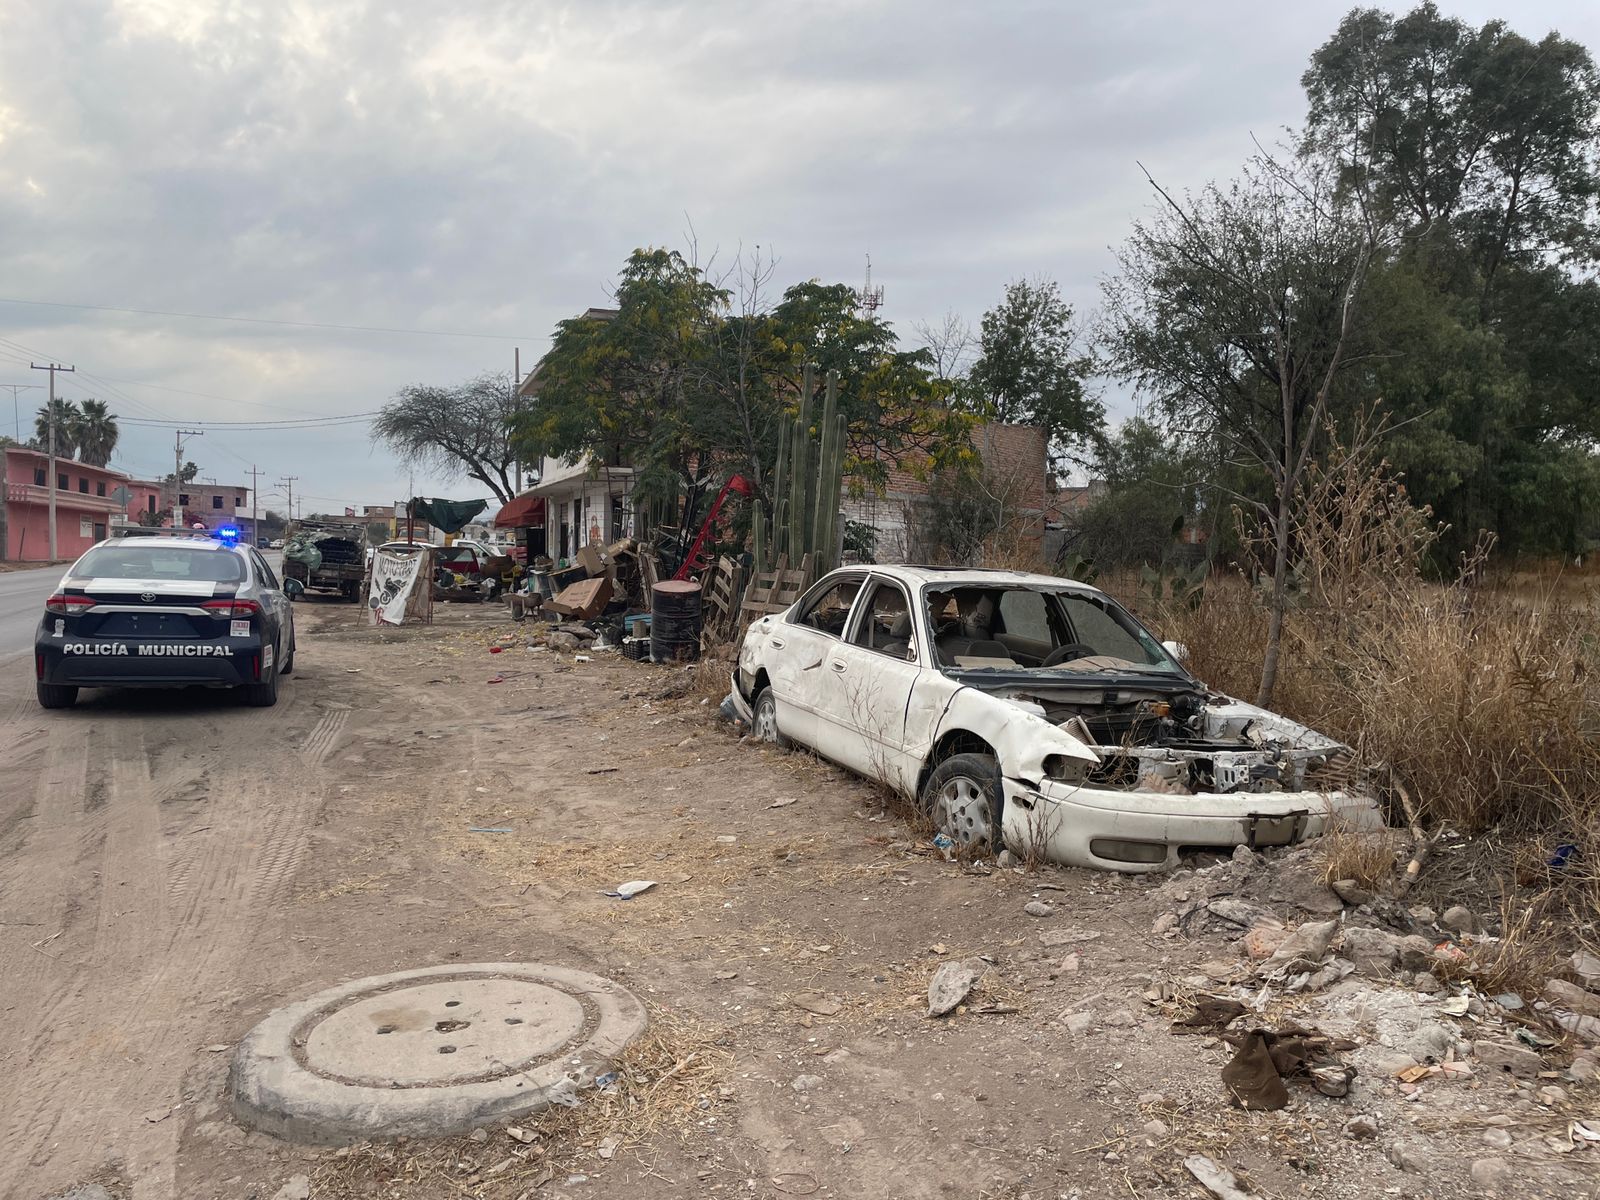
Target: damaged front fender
{"type": "Point", "coordinates": [1028, 747]}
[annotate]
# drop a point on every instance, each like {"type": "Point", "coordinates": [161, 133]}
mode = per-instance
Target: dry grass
{"type": "Point", "coordinates": [1368, 857]}
{"type": "Point", "coordinates": [670, 1085]}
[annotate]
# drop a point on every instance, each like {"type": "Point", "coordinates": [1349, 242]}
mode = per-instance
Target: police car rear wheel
{"type": "Point", "coordinates": [55, 695]}
{"type": "Point", "coordinates": [265, 693]}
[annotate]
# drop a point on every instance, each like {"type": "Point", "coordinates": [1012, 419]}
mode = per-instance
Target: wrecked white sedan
{"type": "Point", "coordinates": [1037, 713]}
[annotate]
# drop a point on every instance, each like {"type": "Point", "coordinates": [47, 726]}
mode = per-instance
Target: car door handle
{"type": "Point", "coordinates": [775, 643]}
{"type": "Point", "coordinates": [838, 664]}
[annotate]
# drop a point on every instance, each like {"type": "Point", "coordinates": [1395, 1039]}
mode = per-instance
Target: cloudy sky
{"type": "Point", "coordinates": [483, 168]}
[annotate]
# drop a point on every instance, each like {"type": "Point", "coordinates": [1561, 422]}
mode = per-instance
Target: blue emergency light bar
{"type": "Point", "coordinates": [228, 533]}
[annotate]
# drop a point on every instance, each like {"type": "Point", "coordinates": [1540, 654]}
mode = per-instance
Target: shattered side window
{"type": "Point", "coordinates": [1114, 637]}
{"type": "Point", "coordinates": [885, 625]}
{"type": "Point", "coordinates": [829, 611]}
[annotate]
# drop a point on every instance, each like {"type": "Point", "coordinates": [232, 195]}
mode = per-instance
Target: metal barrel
{"type": "Point", "coordinates": [675, 621]}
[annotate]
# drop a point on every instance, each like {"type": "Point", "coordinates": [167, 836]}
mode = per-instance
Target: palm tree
{"type": "Point", "coordinates": [95, 433]}
{"type": "Point", "coordinates": [67, 418]}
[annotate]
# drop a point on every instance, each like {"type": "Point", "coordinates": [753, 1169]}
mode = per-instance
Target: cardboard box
{"type": "Point", "coordinates": [582, 601]}
{"type": "Point", "coordinates": [594, 561]}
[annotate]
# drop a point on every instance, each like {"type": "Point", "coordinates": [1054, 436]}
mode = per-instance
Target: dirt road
{"type": "Point", "coordinates": [172, 867]}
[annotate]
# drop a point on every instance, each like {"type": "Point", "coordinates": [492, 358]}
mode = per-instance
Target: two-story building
{"type": "Point", "coordinates": [581, 501]}
{"type": "Point", "coordinates": [88, 501]}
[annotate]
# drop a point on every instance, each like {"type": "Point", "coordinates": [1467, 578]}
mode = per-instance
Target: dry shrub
{"type": "Point", "coordinates": [1369, 857]}
{"type": "Point", "coordinates": [1482, 704]}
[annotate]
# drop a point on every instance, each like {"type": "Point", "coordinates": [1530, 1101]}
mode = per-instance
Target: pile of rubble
{"type": "Point", "coordinates": [1386, 1010]}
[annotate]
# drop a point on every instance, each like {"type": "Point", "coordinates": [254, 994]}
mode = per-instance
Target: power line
{"type": "Point", "coordinates": [159, 312]}
{"type": "Point", "coordinates": [299, 423]}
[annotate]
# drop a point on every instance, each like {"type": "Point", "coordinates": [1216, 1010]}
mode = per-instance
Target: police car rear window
{"type": "Point", "coordinates": [182, 563]}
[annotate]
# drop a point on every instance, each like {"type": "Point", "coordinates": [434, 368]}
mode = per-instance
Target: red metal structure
{"type": "Point", "coordinates": [691, 560]}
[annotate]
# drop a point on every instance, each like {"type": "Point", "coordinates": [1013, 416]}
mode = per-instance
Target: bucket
{"type": "Point", "coordinates": [675, 621]}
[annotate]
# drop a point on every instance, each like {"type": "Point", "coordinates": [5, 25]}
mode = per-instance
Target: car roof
{"type": "Point", "coordinates": [186, 541]}
{"type": "Point", "coordinates": [955, 577]}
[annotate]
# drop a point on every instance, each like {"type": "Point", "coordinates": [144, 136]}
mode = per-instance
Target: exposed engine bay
{"type": "Point", "coordinates": [1181, 742]}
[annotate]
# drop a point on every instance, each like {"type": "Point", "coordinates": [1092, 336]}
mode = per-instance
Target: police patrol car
{"type": "Point", "coordinates": [168, 610]}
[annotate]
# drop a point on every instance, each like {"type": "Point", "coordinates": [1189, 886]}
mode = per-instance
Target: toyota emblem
{"type": "Point", "coordinates": [148, 597]}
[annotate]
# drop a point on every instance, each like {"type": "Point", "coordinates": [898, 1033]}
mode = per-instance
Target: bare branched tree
{"type": "Point", "coordinates": [466, 428]}
{"type": "Point", "coordinates": [1236, 310]}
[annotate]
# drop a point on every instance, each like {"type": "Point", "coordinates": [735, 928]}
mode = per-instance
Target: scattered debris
{"type": "Point", "coordinates": [951, 984]}
{"type": "Point", "coordinates": [627, 891]}
{"type": "Point", "coordinates": [1038, 908]}
{"type": "Point", "coordinates": [1215, 1178]}
{"type": "Point", "coordinates": [489, 829]}
{"type": "Point", "coordinates": [297, 1188]}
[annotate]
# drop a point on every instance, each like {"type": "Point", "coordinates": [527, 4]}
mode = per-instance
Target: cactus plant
{"type": "Point", "coordinates": [806, 483]}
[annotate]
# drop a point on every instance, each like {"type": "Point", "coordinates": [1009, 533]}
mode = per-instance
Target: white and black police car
{"type": "Point", "coordinates": [167, 611]}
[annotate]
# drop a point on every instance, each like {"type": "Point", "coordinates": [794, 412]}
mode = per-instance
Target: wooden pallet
{"type": "Point", "coordinates": [775, 590]}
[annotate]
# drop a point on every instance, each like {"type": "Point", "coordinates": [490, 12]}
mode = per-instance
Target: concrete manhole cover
{"type": "Point", "coordinates": [430, 1052]}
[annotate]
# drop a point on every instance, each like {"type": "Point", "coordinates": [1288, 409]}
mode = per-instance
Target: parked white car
{"type": "Point", "coordinates": [1037, 713]}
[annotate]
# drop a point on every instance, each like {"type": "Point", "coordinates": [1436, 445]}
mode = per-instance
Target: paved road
{"type": "Point", "coordinates": [22, 597]}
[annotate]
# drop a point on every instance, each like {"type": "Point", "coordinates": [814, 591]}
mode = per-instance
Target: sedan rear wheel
{"type": "Point", "coordinates": [265, 693]}
{"type": "Point", "coordinates": [55, 695]}
{"type": "Point", "coordinates": [964, 798]}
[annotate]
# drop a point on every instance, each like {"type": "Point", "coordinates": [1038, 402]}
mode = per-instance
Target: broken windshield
{"type": "Point", "coordinates": [981, 627]}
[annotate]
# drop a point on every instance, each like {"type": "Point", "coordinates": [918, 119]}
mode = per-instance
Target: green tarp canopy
{"type": "Point", "coordinates": [450, 516]}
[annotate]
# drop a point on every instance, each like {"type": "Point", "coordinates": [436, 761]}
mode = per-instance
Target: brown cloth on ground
{"type": "Point", "coordinates": [1251, 1078]}
{"type": "Point", "coordinates": [1211, 1012]}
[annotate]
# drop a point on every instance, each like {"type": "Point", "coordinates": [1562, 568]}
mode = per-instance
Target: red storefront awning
{"type": "Point", "coordinates": [522, 513]}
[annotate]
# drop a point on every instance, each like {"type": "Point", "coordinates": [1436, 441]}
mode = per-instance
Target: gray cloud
{"type": "Point", "coordinates": [487, 166]}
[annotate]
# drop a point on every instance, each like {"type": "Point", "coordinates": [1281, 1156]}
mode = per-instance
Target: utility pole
{"type": "Point", "coordinates": [288, 492]}
{"type": "Point", "coordinates": [255, 525]}
{"type": "Point", "coordinates": [16, 414]}
{"type": "Point", "coordinates": [177, 474]}
{"type": "Point", "coordinates": [50, 420]}
{"type": "Point", "coordinates": [516, 386]}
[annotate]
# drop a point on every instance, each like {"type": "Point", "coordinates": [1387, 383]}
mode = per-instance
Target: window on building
{"type": "Point", "coordinates": [99, 487]}
{"type": "Point", "coordinates": [216, 502]}
{"type": "Point", "coordinates": [39, 477]}
{"type": "Point", "coordinates": [63, 483]}
{"type": "Point", "coordinates": [83, 485]}
{"type": "Point", "coordinates": [150, 506]}
{"type": "Point", "coordinates": [238, 501]}
{"type": "Point", "coordinates": [183, 499]}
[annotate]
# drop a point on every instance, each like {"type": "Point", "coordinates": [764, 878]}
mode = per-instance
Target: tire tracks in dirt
{"type": "Point", "coordinates": [158, 860]}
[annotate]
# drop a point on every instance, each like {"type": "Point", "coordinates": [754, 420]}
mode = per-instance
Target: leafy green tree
{"type": "Point", "coordinates": [1153, 483]}
{"type": "Point", "coordinates": [1029, 370]}
{"type": "Point", "coordinates": [686, 381]}
{"type": "Point", "coordinates": [95, 433]}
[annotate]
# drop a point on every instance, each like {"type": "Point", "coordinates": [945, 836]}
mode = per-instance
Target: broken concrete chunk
{"type": "Point", "coordinates": [1571, 996]}
{"type": "Point", "coordinates": [951, 983]}
{"type": "Point", "coordinates": [1302, 950]}
{"type": "Point", "coordinates": [1351, 892]}
{"type": "Point", "coordinates": [1459, 919]}
{"type": "Point", "coordinates": [1498, 1056]}
{"type": "Point", "coordinates": [1238, 912]}
{"type": "Point", "coordinates": [1423, 915]}
{"type": "Point", "coordinates": [1494, 1175]}
{"type": "Point", "coordinates": [1375, 952]}
{"type": "Point", "coordinates": [1362, 1128]}
{"type": "Point", "coordinates": [1306, 891]}
{"type": "Point", "coordinates": [1586, 966]}
{"type": "Point", "coordinates": [1262, 941]}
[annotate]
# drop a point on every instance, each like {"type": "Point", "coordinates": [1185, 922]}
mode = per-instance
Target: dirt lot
{"type": "Point", "coordinates": [174, 866]}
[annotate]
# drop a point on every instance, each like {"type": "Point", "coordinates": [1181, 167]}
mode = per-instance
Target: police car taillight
{"type": "Point", "coordinates": [232, 608]}
{"type": "Point", "coordinates": [68, 606]}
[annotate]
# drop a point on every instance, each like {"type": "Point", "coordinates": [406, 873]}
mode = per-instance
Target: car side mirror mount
{"type": "Point", "coordinates": [1177, 649]}
{"type": "Point", "coordinates": [293, 589]}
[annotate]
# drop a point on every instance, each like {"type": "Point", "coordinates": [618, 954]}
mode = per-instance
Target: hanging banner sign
{"type": "Point", "coordinates": [395, 590]}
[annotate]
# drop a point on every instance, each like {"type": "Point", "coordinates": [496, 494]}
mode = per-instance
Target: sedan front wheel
{"type": "Point", "coordinates": [963, 796]}
{"type": "Point", "coordinates": [765, 723]}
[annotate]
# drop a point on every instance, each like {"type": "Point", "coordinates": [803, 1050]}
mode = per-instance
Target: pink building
{"type": "Point", "coordinates": [86, 504]}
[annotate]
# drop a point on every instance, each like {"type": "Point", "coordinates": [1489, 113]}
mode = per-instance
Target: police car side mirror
{"type": "Point", "coordinates": [293, 588]}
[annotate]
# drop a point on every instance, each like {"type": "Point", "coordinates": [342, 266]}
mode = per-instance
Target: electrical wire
{"type": "Point", "coordinates": [158, 312]}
